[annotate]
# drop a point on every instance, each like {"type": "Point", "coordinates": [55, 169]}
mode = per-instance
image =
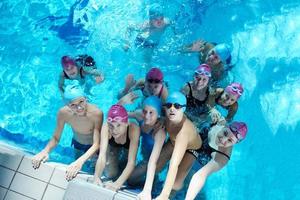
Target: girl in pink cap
{"type": "Point", "coordinates": [227, 98]}
{"type": "Point", "coordinates": [153, 84]}
{"type": "Point", "coordinates": [121, 139]}
{"type": "Point", "coordinates": [72, 70]}
{"type": "Point", "coordinates": [217, 144]}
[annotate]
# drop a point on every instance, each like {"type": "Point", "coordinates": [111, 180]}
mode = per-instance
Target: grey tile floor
{"type": "Point", "coordinates": [19, 181]}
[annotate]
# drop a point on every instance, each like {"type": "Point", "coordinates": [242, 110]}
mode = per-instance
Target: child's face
{"type": "Point", "coordinates": [228, 99]}
{"type": "Point", "coordinates": [154, 86]}
{"type": "Point", "coordinates": [225, 138]}
{"type": "Point", "coordinates": [158, 22]}
{"type": "Point", "coordinates": [78, 106]}
{"type": "Point", "coordinates": [149, 115]}
{"type": "Point", "coordinates": [174, 112]}
{"type": "Point", "coordinates": [200, 81]}
{"type": "Point", "coordinates": [117, 128]}
{"type": "Point", "coordinates": [212, 58]}
{"type": "Point", "coordinates": [71, 71]}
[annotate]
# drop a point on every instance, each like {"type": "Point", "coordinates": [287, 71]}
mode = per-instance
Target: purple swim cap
{"type": "Point", "coordinates": [155, 73]}
{"type": "Point", "coordinates": [235, 89]}
{"type": "Point", "coordinates": [239, 129]}
{"type": "Point", "coordinates": [66, 61]}
{"type": "Point", "coordinates": [203, 69]}
{"type": "Point", "coordinates": [117, 113]}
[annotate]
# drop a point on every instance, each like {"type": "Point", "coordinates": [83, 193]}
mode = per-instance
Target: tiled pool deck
{"type": "Point", "coordinates": [19, 181]}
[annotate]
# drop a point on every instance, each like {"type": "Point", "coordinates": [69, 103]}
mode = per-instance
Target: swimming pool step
{"type": "Point", "coordinates": [18, 180]}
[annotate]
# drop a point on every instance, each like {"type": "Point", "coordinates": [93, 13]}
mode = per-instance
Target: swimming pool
{"type": "Point", "coordinates": [264, 35]}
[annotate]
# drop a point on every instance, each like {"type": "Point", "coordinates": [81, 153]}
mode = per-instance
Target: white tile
{"type": "Point", "coordinates": [59, 177]}
{"type": "Point", "coordinates": [10, 158]}
{"type": "Point", "coordinates": [6, 177]}
{"type": "Point", "coordinates": [125, 196]}
{"type": "Point", "coordinates": [15, 196]}
{"type": "Point", "coordinates": [43, 173]}
{"type": "Point", "coordinates": [53, 192]}
{"type": "Point", "coordinates": [2, 192]}
{"type": "Point", "coordinates": [83, 190]}
{"type": "Point", "coordinates": [28, 186]}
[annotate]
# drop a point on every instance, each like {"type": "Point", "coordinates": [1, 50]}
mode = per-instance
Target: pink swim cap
{"type": "Point", "coordinates": [203, 69]}
{"type": "Point", "coordinates": [235, 89]}
{"type": "Point", "coordinates": [117, 113]}
{"type": "Point", "coordinates": [239, 129]}
{"type": "Point", "coordinates": [155, 73]}
{"type": "Point", "coordinates": [66, 61]}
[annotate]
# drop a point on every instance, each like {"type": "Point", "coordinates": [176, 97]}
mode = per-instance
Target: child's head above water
{"type": "Point", "coordinates": [69, 66]}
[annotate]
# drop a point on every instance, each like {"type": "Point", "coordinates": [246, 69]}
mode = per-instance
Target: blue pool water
{"type": "Point", "coordinates": [265, 35]}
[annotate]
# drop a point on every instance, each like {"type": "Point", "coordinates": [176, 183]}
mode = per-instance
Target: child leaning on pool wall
{"type": "Point", "coordinates": [118, 137]}
{"type": "Point", "coordinates": [152, 140]}
{"type": "Point", "coordinates": [85, 120]}
{"type": "Point", "coordinates": [78, 70]}
{"type": "Point", "coordinates": [221, 139]}
{"type": "Point", "coordinates": [183, 138]}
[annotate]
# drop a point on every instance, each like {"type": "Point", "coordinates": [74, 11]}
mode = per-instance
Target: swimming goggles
{"type": "Point", "coordinates": [202, 72]}
{"type": "Point", "coordinates": [236, 89]}
{"type": "Point", "coordinates": [177, 106]}
{"type": "Point", "coordinates": [117, 119]}
{"type": "Point", "coordinates": [154, 80]}
{"type": "Point", "coordinates": [236, 132]}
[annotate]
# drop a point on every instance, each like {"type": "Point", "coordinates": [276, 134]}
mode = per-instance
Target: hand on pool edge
{"type": "Point", "coordinates": [73, 170]}
{"type": "Point", "coordinates": [36, 161]}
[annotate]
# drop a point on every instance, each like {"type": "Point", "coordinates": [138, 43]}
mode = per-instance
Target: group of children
{"type": "Point", "coordinates": [177, 128]}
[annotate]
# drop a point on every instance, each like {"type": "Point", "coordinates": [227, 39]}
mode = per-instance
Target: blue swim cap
{"type": "Point", "coordinates": [224, 52]}
{"type": "Point", "coordinates": [73, 92]}
{"type": "Point", "coordinates": [155, 11]}
{"type": "Point", "coordinates": [154, 102]}
{"type": "Point", "coordinates": [177, 97]}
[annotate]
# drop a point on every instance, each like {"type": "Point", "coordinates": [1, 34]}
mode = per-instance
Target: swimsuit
{"type": "Point", "coordinates": [203, 154]}
{"type": "Point", "coordinates": [79, 146]}
{"type": "Point", "coordinates": [195, 106]}
{"type": "Point", "coordinates": [125, 145]}
{"type": "Point", "coordinates": [147, 141]}
{"type": "Point", "coordinates": [140, 41]}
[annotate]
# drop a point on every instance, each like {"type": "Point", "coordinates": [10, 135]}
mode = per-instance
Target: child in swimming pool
{"type": "Point", "coordinates": [153, 84]}
{"type": "Point", "coordinates": [85, 120]}
{"type": "Point", "coordinates": [120, 138]}
{"type": "Point", "coordinates": [151, 145]}
{"type": "Point", "coordinates": [78, 69]}
{"type": "Point", "coordinates": [227, 98]}
{"type": "Point", "coordinates": [215, 152]}
{"type": "Point", "coordinates": [150, 32]}
{"type": "Point", "coordinates": [217, 56]}
{"type": "Point", "coordinates": [183, 138]}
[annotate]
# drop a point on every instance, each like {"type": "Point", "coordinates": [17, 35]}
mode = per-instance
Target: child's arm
{"type": "Point", "coordinates": [231, 112]}
{"type": "Point", "coordinates": [180, 147]}
{"type": "Point", "coordinates": [159, 139]}
{"type": "Point", "coordinates": [99, 77]}
{"type": "Point", "coordinates": [134, 136]}
{"type": "Point", "coordinates": [100, 165]}
{"type": "Point", "coordinates": [44, 154]}
{"type": "Point", "coordinates": [199, 178]}
{"type": "Point", "coordinates": [74, 168]}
